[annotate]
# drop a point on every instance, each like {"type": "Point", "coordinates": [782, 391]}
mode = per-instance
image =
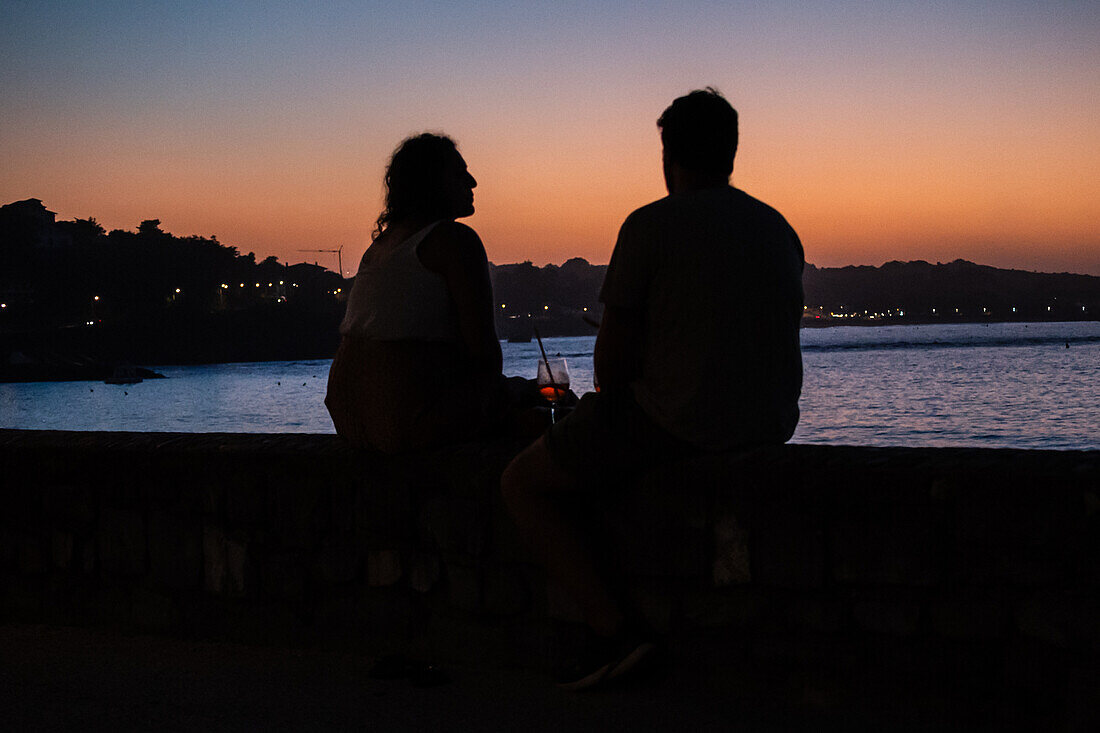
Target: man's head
{"type": "Point", "coordinates": [699, 134]}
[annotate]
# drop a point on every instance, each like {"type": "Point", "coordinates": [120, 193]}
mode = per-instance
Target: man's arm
{"type": "Point", "coordinates": [618, 353]}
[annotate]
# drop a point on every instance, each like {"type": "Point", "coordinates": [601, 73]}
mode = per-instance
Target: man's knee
{"type": "Point", "coordinates": [516, 479]}
{"type": "Point", "coordinates": [510, 480]}
{"type": "Point", "coordinates": [532, 472]}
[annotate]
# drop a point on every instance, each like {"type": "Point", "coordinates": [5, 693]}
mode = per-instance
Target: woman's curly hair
{"type": "Point", "coordinates": [414, 180]}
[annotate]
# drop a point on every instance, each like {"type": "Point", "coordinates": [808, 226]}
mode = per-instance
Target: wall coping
{"type": "Point", "coordinates": [1083, 463]}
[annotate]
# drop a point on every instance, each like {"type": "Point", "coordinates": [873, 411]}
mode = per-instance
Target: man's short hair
{"type": "Point", "coordinates": [699, 131]}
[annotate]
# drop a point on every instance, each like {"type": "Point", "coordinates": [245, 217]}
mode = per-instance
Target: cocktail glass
{"type": "Point", "coordinates": [553, 380]}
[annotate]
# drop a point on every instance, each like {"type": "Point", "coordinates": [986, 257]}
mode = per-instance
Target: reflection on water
{"type": "Point", "coordinates": [1035, 396]}
{"type": "Point", "coordinates": [996, 385]}
{"type": "Point", "coordinates": [253, 397]}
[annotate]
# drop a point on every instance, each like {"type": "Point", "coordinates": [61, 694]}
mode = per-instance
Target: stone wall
{"type": "Point", "coordinates": [972, 569]}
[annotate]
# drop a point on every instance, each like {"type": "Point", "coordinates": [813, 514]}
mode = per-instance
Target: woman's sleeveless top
{"type": "Point", "coordinates": [396, 298]}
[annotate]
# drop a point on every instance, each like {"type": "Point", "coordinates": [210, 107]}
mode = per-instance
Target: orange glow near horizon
{"type": "Point", "coordinates": [853, 202]}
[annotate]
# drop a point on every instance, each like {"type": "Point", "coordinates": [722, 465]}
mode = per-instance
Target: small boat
{"type": "Point", "coordinates": [124, 375]}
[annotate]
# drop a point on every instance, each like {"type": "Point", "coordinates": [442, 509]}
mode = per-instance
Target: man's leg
{"type": "Point", "coordinates": [529, 485]}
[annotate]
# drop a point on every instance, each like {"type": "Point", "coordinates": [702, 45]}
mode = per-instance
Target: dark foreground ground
{"type": "Point", "coordinates": [64, 678]}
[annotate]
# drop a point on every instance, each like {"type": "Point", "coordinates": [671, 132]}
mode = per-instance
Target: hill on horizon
{"type": "Point", "coordinates": [912, 291]}
{"type": "Point", "coordinates": [582, 262]}
{"type": "Point", "coordinates": [73, 271]}
{"type": "Point", "coordinates": [960, 288]}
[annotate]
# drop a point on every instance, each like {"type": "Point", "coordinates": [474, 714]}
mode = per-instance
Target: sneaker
{"type": "Point", "coordinates": [605, 659]}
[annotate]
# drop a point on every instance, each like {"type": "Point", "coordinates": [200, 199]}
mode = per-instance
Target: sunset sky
{"type": "Point", "coordinates": [881, 130]}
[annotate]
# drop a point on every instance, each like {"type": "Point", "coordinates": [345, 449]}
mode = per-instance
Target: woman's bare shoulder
{"type": "Point", "coordinates": [451, 243]}
{"type": "Point", "coordinates": [391, 237]}
{"type": "Point", "coordinates": [457, 232]}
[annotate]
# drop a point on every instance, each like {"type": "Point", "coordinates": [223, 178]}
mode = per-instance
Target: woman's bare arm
{"type": "Point", "coordinates": [455, 251]}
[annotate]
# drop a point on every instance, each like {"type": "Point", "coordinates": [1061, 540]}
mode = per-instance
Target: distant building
{"type": "Point", "coordinates": [29, 223]}
{"type": "Point", "coordinates": [26, 227]}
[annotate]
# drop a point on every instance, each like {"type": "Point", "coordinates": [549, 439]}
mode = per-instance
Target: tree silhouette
{"type": "Point", "coordinates": [149, 227]}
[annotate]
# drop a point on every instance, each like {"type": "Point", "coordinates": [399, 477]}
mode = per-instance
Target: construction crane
{"type": "Point", "coordinates": [339, 256]}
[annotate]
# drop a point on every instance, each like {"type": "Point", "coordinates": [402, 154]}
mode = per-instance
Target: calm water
{"type": "Point", "coordinates": [996, 385]}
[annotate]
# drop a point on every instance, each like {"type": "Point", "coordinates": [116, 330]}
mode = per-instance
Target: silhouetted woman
{"type": "Point", "coordinates": [419, 364]}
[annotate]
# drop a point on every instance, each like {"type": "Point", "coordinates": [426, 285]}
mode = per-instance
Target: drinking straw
{"type": "Point", "coordinates": [549, 372]}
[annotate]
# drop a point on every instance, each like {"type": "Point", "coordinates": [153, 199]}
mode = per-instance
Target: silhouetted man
{"type": "Point", "coordinates": [698, 351]}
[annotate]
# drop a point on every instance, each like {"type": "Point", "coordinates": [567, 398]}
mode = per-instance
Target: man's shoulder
{"type": "Point", "coordinates": [758, 208]}
{"type": "Point", "coordinates": [694, 205]}
{"type": "Point", "coordinates": [652, 211]}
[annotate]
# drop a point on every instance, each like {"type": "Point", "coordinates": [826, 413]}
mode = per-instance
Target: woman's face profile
{"type": "Point", "coordinates": [458, 187]}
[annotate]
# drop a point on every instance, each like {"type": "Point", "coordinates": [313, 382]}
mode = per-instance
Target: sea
{"type": "Point", "coordinates": [996, 385]}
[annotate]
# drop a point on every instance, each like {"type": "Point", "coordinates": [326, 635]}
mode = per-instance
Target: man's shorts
{"type": "Point", "coordinates": [608, 434]}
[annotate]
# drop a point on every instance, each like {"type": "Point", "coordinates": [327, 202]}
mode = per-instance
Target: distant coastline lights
{"type": "Point", "coordinates": [817, 312]}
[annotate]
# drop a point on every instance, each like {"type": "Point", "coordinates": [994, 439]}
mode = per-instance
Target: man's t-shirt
{"type": "Point", "coordinates": [717, 276]}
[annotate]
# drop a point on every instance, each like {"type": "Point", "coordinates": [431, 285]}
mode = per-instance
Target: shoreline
{"type": "Point", "coordinates": [84, 368]}
{"type": "Point", "coordinates": [827, 322]}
